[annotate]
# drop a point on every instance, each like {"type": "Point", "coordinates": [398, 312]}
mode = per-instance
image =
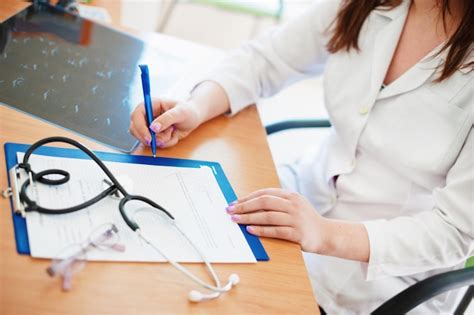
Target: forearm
{"type": "Point", "coordinates": [344, 239]}
{"type": "Point", "coordinates": [210, 100]}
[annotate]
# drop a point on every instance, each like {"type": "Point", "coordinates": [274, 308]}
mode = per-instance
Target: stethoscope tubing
{"type": "Point", "coordinates": [216, 288]}
{"type": "Point", "coordinates": [112, 189]}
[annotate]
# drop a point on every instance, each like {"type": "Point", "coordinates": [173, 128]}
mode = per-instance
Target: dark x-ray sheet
{"type": "Point", "coordinates": [78, 74]}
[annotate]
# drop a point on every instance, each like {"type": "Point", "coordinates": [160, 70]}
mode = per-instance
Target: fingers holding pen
{"type": "Point", "coordinates": [138, 126]}
{"type": "Point", "coordinates": [172, 141]}
{"type": "Point", "coordinates": [169, 137]}
{"type": "Point", "coordinates": [166, 120]}
{"type": "Point", "coordinates": [163, 137]}
{"type": "Point", "coordinates": [143, 134]}
{"type": "Point", "coordinates": [138, 123]}
{"type": "Point", "coordinates": [172, 122]}
{"type": "Point", "coordinates": [165, 128]}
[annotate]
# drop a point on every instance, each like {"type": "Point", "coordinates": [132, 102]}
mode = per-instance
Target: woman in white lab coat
{"type": "Point", "coordinates": [388, 200]}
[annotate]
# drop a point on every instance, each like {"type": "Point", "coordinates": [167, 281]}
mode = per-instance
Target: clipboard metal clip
{"type": "Point", "coordinates": [14, 191]}
{"type": "Point", "coordinates": [7, 193]}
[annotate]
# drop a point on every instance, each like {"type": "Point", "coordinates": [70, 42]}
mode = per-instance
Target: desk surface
{"type": "Point", "coordinates": [239, 144]}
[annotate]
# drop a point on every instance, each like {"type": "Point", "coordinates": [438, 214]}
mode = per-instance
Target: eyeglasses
{"type": "Point", "coordinates": [72, 259]}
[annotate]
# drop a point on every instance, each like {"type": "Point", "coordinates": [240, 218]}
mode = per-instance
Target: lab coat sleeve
{"type": "Point", "coordinates": [442, 237]}
{"type": "Point", "coordinates": [280, 57]}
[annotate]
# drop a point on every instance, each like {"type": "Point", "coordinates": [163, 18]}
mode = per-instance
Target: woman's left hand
{"type": "Point", "coordinates": [279, 213]}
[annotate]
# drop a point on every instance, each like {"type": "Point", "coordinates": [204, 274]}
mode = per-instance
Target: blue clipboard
{"type": "Point", "coordinates": [19, 223]}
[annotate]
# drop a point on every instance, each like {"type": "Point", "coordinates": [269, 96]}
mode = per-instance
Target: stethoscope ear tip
{"type": "Point", "coordinates": [234, 279]}
{"type": "Point", "coordinates": [195, 296]}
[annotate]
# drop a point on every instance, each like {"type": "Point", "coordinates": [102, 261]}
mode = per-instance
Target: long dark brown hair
{"type": "Point", "coordinates": [353, 13]}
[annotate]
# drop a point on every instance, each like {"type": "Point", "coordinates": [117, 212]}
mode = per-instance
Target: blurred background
{"type": "Point", "coordinates": [226, 24]}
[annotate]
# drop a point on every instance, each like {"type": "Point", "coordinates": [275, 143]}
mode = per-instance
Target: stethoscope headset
{"type": "Point", "coordinates": [54, 177]}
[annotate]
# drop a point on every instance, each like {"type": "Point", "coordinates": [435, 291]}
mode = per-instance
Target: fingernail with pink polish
{"type": "Point", "coordinates": [230, 209]}
{"type": "Point", "coordinates": [155, 127]}
{"type": "Point", "coordinates": [250, 229]}
{"type": "Point", "coordinates": [160, 144]}
{"type": "Point", "coordinates": [148, 141]}
{"type": "Point", "coordinates": [235, 218]}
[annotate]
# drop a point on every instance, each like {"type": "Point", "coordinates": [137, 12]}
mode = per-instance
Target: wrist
{"type": "Point", "coordinates": [343, 239]}
{"type": "Point", "coordinates": [209, 100]}
{"type": "Point", "coordinates": [325, 243]}
{"type": "Point", "coordinates": [198, 110]}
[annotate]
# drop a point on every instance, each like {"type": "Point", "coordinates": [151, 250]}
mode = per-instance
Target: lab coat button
{"type": "Point", "coordinates": [364, 110]}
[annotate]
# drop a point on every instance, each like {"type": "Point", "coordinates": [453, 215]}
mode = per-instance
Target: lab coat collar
{"type": "Point", "coordinates": [417, 75]}
{"type": "Point", "coordinates": [428, 68]}
{"type": "Point", "coordinates": [385, 43]}
{"type": "Point", "coordinates": [469, 59]}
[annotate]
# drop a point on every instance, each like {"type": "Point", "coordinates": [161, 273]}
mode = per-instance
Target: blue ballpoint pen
{"type": "Point", "coordinates": [148, 108]}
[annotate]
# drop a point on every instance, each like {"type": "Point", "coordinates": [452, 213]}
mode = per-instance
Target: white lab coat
{"type": "Point", "coordinates": [403, 156]}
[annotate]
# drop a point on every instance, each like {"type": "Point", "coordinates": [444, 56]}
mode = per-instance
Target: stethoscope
{"type": "Point", "coordinates": [56, 177]}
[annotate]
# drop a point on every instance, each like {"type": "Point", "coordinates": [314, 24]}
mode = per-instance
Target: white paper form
{"type": "Point", "coordinates": [191, 195]}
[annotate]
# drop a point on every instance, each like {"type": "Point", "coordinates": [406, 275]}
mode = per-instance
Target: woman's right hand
{"type": "Point", "coordinates": [173, 121]}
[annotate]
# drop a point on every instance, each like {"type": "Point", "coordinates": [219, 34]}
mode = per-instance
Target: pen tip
{"type": "Point", "coordinates": [154, 155]}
